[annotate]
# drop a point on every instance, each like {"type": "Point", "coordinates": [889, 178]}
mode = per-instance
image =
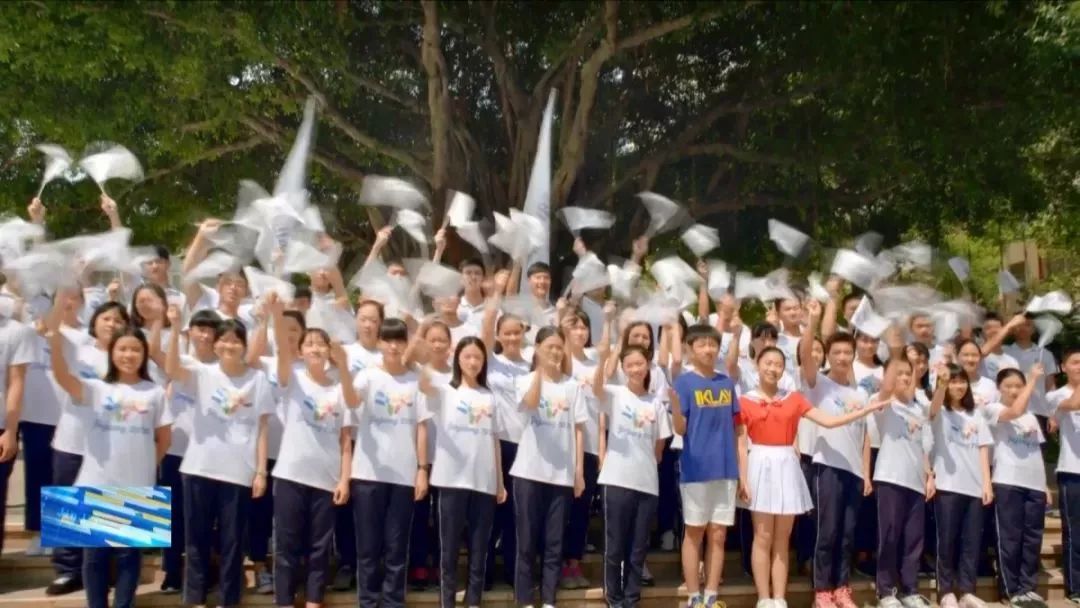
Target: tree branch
{"type": "Point", "coordinates": [663, 28]}
{"type": "Point", "coordinates": [723, 149]}
{"type": "Point", "coordinates": [272, 134]}
{"type": "Point", "coordinates": [383, 91]}
{"type": "Point", "coordinates": [438, 97]}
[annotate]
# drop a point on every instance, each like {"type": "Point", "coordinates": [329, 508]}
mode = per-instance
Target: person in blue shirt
{"type": "Point", "coordinates": [705, 410]}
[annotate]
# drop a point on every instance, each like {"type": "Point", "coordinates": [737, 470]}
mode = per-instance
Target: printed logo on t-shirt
{"type": "Point", "coordinates": [846, 404]}
{"type": "Point", "coordinates": [1026, 432]}
{"type": "Point", "coordinates": [357, 366]}
{"type": "Point", "coordinates": [229, 401]}
{"type": "Point", "coordinates": [475, 410]}
{"type": "Point", "coordinates": [321, 409]}
{"type": "Point", "coordinates": [966, 434]}
{"type": "Point", "coordinates": [712, 397]}
{"type": "Point", "coordinates": [122, 410]}
{"type": "Point", "coordinates": [553, 407]}
{"type": "Point", "coordinates": [640, 416]}
{"type": "Point", "coordinates": [88, 373]}
{"type": "Point", "coordinates": [393, 402]}
{"type": "Point", "coordinates": [870, 384]}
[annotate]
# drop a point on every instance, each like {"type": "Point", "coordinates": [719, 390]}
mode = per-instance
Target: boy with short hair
{"type": "Point", "coordinates": [705, 410]}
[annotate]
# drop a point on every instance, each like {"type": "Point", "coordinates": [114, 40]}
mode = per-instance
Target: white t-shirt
{"type": "Point", "coordinates": [906, 439]}
{"type": "Point", "coordinates": [467, 423]}
{"type": "Point", "coordinates": [1017, 458]}
{"type": "Point", "coordinates": [1068, 431]}
{"type": "Point", "coordinates": [869, 380]}
{"type": "Point", "coordinates": [86, 361]}
{"type": "Point", "coordinates": [1027, 357]}
{"type": "Point", "coordinates": [993, 363]}
{"type": "Point", "coordinates": [225, 424]}
{"type": "Point", "coordinates": [841, 447]}
{"type": "Point", "coordinates": [958, 436]}
{"type": "Point", "coordinates": [583, 371]}
{"type": "Point", "coordinates": [789, 345]}
{"type": "Point", "coordinates": [635, 424]}
{"type": "Point", "coordinates": [120, 447]}
{"type": "Point", "coordinates": [16, 348]}
{"type": "Point", "coordinates": [547, 449]}
{"type": "Point", "coordinates": [749, 380]}
{"type": "Point", "coordinates": [313, 416]}
{"type": "Point", "coordinates": [503, 375]}
{"type": "Point", "coordinates": [361, 358]}
{"type": "Point", "coordinates": [725, 342]}
{"type": "Point", "coordinates": [985, 392]}
{"type": "Point", "coordinates": [439, 380]}
{"type": "Point", "coordinates": [43, 399]}
{"type": "Point", "coordinates": [385, 424]}
{"type": "Point", "coordinates": [275, 428]}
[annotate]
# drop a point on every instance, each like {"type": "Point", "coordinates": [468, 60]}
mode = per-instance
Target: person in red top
{"type": "Point", "coordinates": [777, 489]}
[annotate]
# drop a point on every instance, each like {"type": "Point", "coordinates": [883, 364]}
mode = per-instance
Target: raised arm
{"type": "Point", "coordinates": [1020, 404]}
{"type": "Point", "coordinates": [61, 371]}
{"type": "Point", "coordinates": [829, 421]}
{"type": "Point", "coordinates": [678, 421]}
{"type": "Point", "coordinates": [731, 362]}
{"type": "Point", "coordinates": [806, 344]}
{"type": "Point", "coordinates": [828, 320]}
{"type": "Point", "coordinates": [994, 343]}
{"type": "Point", "coordinates": [284, 355]}
{"type": "Point", "coordinates": [491, 312]}
{"type": "Point", "coordinates": [531, 399]}
{"type": "Point", "coordinates": [939, 390]}
{"type": "Point", "coordinates": [173, 369]}
{"type": "Point", "coordinates": [382, 237]}
{"type": "Point", "coordinates": [196, 253]}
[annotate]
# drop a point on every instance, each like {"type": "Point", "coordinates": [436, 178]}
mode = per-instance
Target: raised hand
{"type": "Point", "coordinates": [36, 211]}
{"type": "Point", "coordinates": [173, 315]}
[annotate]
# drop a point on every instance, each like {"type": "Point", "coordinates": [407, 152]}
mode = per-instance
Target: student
{"type": "Point", "coordinates": [1065, 402]}
{"type": "Point", "coordinates": [88, 353]}
{"type": "Point", "coordinates": [903, 483]}
{"type": "Point", "coordinates": [16, 354]}
{"type": "Point", "coordinates": [224, 466]}
{"type": "Point", "coordinates": [128, 433]}
{"type": "Point", "coordinates": [983, 389]}
{"type": "Point", "coordinates": [466, 469]}
{"type": "Point", "coordinates": [638, 425]}
{"type": "Point", "coordinates": [390, 468]}
{"type": "Point", "coordinates": [806, 443]}
{"type": "Point", "coordinates": [789, 312]}
{"type": "Point", "coordinates": [994, 332]}
{"type": "Point", "coordinates": [148, 313]}
{"type": "Point", "coordinates": [868, 372]}
{"type": "Point", "coordinates": [1027, 353]}
{"type": "Point", "coordinates": [200, 339]}
{"type": "Point", "coordinates": [314, 467]}
{"type": "Point", "coordinates": [962, 476]}
{"type": "Point", "coordinates": [776, 488]}
{"type": "Point", "coordinates": [549, 471]}
{"type": "Point", "coordinates": [1019, 480]}
{"type": "Point", "coordinates": [471, 305]}
{"type": "Point", "coordinates": [705, 411]}
{"type": "Point", "coordinates": [840, 480]}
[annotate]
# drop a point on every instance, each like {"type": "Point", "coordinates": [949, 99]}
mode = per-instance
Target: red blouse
{"type": "Point", "coordinates": [773, 422]}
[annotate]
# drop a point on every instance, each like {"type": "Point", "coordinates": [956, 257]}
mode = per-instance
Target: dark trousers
{"type": "Point", "coordinates": [1020, 516]}
{"type": "Point", "coordinates": [628, 515]}
{"type": "Point", "coordinates": [260, 522]}
{"type": "Point", "coordinates": [5, 474]}
{"type": "Point", "coordinates": [208, 502]}
{"type": "Point", "coordinates": [806, 524]}
{"type": "Point", "coordinates": [67, 561]}
{"type": "Point", "coordinates": [304, 519]}
{"type": "Point", "coordinates": [577, 529]}
{"type": "Point", "coordinates": [503, 530]}
{"type": "Point", "coordinates": [1069, 500]}
{"type": "Point", "coordinates": [424, 538]}
{"type": "Point", "coordinates": [540, 514]}
{"type": "Point", "coordinates": [470, 514]}
{"type": "Point", "coordinates": [345, 535]}
{"type": "Point", "coordinates": [837, 496]}
{"type": "Point", "coordinates": [97, 565]}
{"type": "Point", "coordinates": [866, 526]}
{"type": "Point", "coordinates": [900, 523]}
{"type": "Point", "coordinates": [383, 519]}
{"type": "Point", "coordinates": [959, 535]}
{"type": "Point", "coordinates": [667, 508]}
{"type": "Point", "coordinates": [37, 467]}
{"type": "Point", "coordinates": [172, 560]}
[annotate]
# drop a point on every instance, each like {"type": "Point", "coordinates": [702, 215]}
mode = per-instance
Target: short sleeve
{"type": "Point", "coordinates": [992, 413]}
{"type": "Point", "coordinates": [94, 391]}
{"type": "Point", "coordinates": [163, 414]}
{"type": "Point", "coordinates": [521, 386]}
{"type": "Point", "coordinates": [985, 438]}
{"type": "Point", "coordinates": [265, 396]}
{"type": "Point", "coordinates": [802, 405]}
{"type": "Point", "coordinates": [431, 406]}
{"type": "Point", "coordinates": [606, 404]}
{"type": "Point", "coordinates": [361, 382]}
{"type": "Point", "coordinates": [1050, 364]}
{"type": "Point", "coordinates": [581, 412]}
{"type": "Point", "coordinates": [663, 422]}
{"type": "Point", "coordinates": [23, 351]}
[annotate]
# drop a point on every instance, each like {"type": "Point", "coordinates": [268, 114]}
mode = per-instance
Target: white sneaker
{"type": "Point", "coordinates": [970, 601]}
{"type": "Point", "coordinates": [765, 603]}
{"type": "Point", "coordinates": [915, 601]}
{"type": "Point", "coordinates": [667, 541]}
{"type": "Point", "coordinates": [779, 603]}
{"type": "Point", "coordinates": [948, 601]}
{"type": "Point", "coordinates": [889, 601]}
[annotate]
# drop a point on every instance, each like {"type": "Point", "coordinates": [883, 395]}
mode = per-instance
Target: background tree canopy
{"type": "Point", "coordinates": [834, 116]}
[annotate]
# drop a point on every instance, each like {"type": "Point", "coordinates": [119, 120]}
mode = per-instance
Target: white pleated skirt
{"type": "Point", "coordinates": [776, 480]}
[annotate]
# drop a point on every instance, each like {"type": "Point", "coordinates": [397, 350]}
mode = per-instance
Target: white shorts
{"type": "Point", "coordinates": [709, 502]}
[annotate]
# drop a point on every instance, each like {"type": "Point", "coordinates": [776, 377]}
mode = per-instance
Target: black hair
{"type": "Point", "coordinates": [875, 359]}
{"type": "Point", "coordinates": [967, 402]}
{"type": "Point", "coordinates": [298, 316]}
{"type": "Point", "coordinates": [651, 350]}
{"type": "Point", "coordinates": [629, 350]}
{"type": "Point", "coordinates": [507, 317]}
{"type": "Point", "coordinates": [1069, 351]}
{"type": "Point", "coordinates": [231, 326]}
{"type": "Point", "coordinates": [702, 331]}
{"type": "Point", "coordinates": [439, 325]}
{"type": "Point", "coordinates": [455, 375]}
{"type": "Point", "coordinates": [318, 331]}
{"type": "Point", "coordinates": [765, 330]}
{"type": "Point", "coordinates": [205, 318]}
{"type": "Point", "coordinates": [472, 262]}
{"type": "Point", "coordinates": [112, 376]}
{"type": "Point", "coordinates": [104, 308]}
{"type": "Point", "coordinates": [960, 343]}
{"type": "Point", "coordinates": [924, 382]}
{"type": "Point", "coordinates": [137, 320]}
{"type": "Point", "coordinates": [1006, 373]}
{"type": "Point", "coordinates": [771, 349]}
{"type": "Point", "coordinates": [798, 353]}
{"type": "Point", "coordinates": [839, 338]}
{"type": "Point", "coordinates": [849, 297]}
{"type": "Point", "coordinates": [582, 316]}
{"type": "Point", "coordinates": [378, 308]}
{"type": "Point", "coordinates": [161, 252]}
{"type": "Point", "coordinates": [544, 334]}
{"type": "Point", "coordinates": [538, 268]}
{"type": "Point", "coordinates": [302, 291]}
{"type": "Point", "coordinates": [393, 330]}
{"type": "Point", "coordinates": [991, 316]}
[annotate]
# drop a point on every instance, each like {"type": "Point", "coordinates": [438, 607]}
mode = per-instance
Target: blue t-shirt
{"type": "Point", "coordinates": [710, 406]}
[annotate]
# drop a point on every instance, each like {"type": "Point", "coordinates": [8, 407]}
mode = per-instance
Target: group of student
{"type": "Point", "coordinates": [478, 428]}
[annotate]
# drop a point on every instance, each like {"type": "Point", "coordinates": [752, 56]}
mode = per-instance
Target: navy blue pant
{"type": "Point", "coordinates": [959, 536]}
{"type": "Point", "coordinates": [5, 473]}
{"type": "Point", "coordinates": [1020, 515]}
{"type": "Point", "coordinates": [628, 515]}
{"type": "Point", "coordinates": [503, 530]}
{"type": "Point", "coordinates": [260, 523]}
{"type": "Point", "coordinates": [172, 559]}
{"type": "Point", "coordinates": [900, 515]}
{"type": "Point", "coordinates": [208, 502]}
{"type": "Point", "coordinates": [806, 524]}
{"type": "Point", "coordinates": [67, 561]}
{"type": "Point", "coordinates": [577, 529]}
{"type": "Point", "coordinates": [96, 568]}
{"type": "Point", "coordinates": [1069, 499]}
{"type": "Point", "coordinates": [383, 519]}
{"type": "Point", "coordinates": [37, 467]}
{"type": "Point", "coordinates": [667, 509]}
{"type": "Point", "coordinates": [304, 517]}
{"type": "Point", "coordinates": [866, 527]}
{"type": "Point", "coordinates": [541, 511]}
{"type": "Point", "coordinates": [468, 514]}
{"type": "Point", "coordinates": [837, 494]}
{"type": "Point", "coordinates": [424, 538]}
